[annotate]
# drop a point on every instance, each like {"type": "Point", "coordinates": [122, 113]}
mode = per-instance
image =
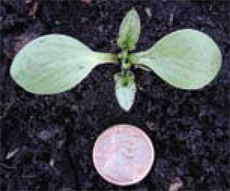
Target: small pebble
{"type": "Point", "coordinates": [100, 28]}
{"type": "Point", "coordinates": [28, 1]}
{"type": "Point", "coordinates": [45, 135]}
{"type": "Point", "coordinates": [57, 22]}
{"type": "Point", "coordinates": [176, 184]}
{"type": "Point", "coordinates": [83, 19]}
{"type": "Point", "coordinates": [148, 12]}
{"type": "Point", "coordinates": [51, 162]}
{"type": "Point", "coordinates": [12, 153]}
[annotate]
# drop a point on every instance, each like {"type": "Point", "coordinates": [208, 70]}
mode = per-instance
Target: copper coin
{"type": "Point", "coordinates": [123, 155]}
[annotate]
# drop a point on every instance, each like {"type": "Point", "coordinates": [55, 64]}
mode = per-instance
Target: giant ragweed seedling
{"type": "Point", "coordinates": [186, 59]}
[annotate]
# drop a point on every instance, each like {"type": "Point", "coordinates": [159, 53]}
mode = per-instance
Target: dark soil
{"type": "Point", "coordinates": [47, 141]}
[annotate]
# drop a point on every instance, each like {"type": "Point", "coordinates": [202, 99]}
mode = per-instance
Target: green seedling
{"type": "Point", "coordinates": [186, 59]}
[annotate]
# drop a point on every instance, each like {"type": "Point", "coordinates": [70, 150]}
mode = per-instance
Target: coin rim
{"type": "Point", "coordinates": [146, 172]}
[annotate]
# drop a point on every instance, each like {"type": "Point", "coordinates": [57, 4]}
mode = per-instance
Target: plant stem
{"type": "Point", "coordinates": [107, 57]}
{"type": "Point", "coordinates": [125, 65]}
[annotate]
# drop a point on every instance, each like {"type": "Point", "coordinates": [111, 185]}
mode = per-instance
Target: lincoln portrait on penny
{"type": "Point", "coordinates": [121, 165]}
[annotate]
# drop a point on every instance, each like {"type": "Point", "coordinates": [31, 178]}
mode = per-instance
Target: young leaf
{"type": "Point", "coordinates": [129, 31]}
{"type": "Point", "coordinates": [125, 90]}
{"type": "Point", "coordinates": [186, 59]}
{"type": "Point", "coordinates": [54, 63]}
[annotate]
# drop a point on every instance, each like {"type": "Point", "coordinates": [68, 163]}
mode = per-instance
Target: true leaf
{"type": "Point", "coordinates": [129, 31]}
{"type": "Point", "coordinates": [125, 90]}
{"type": "Point", "coordinates": [54, 63]}
{"type": "Point", "coordinates": [186, 59]}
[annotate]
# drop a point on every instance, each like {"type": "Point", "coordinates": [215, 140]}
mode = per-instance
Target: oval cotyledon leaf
{"type": "Point", "coordinates": [55, 63]}
{"type": "Point", "coordinates": [186, 59]}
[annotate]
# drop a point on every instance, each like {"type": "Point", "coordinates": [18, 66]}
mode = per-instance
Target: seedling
{"type": "Point", "coordinates": [186, 59]}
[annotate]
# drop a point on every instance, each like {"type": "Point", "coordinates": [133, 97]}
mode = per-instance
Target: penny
{"type": "Point", "coordinates": [123, 155]}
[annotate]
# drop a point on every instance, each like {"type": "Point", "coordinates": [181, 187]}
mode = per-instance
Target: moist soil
{"type": "Point", "coordinates": [47, 141]}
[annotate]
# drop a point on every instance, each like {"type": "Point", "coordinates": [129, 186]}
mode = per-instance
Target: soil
{"type": "Point", "coordinates": [47, 141]}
